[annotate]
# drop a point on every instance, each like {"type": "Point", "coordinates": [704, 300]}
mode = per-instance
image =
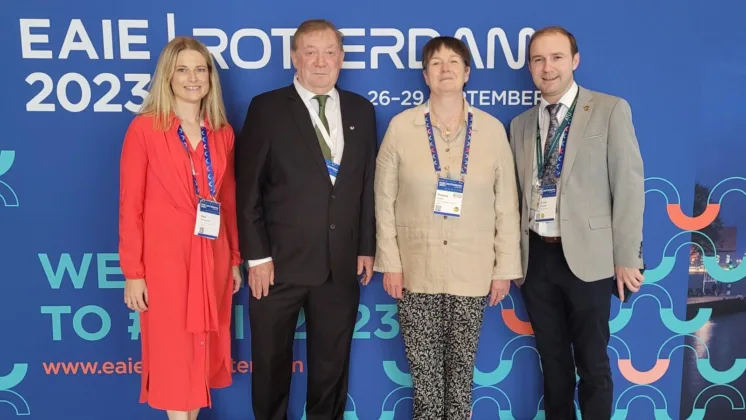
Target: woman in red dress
{"type": "Point", "coordinates": [180, 261]}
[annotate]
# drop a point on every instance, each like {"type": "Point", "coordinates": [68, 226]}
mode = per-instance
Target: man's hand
{"type": "Point", "coordinates": [630, 277]}
{"type": "Point", "coordinates": [393, 284]}
{"type": "Point", "coordinates": [365, 263]}
{"type": "Point", "coordinates": [498, 290]}
{"type": "Point", "coordinates": [260, 277]}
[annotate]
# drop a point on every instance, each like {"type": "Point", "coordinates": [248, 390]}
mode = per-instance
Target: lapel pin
{"type": "Point", "coordinates": [352, 127]}
{"type": "Point", "coordinates": [586, 108]}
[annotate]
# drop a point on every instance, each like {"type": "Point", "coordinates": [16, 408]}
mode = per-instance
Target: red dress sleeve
{"type": "Point", "coordinates": [132, 178]}
{"type": "Point", "coordinates": [228, 198]}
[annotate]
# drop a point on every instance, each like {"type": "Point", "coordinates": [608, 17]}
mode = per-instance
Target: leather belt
{"type": "Point", "coordinates": [551, 239]}
{"type": "Point", "coordinates": [547, 239]}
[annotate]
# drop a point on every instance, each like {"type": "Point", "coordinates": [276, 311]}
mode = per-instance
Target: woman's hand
{"type": "Point", "coordinates": [136, 295]}
{"type": "Point", "coordinates": [499, 289]}
{"type": "Point", "coordinates": [236, 278]}
{"type": "Point", "coordinates": [393, 284]}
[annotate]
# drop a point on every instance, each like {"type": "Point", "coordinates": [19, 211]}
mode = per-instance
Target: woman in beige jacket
{"type": "Point", "coordinates": [447, 229]}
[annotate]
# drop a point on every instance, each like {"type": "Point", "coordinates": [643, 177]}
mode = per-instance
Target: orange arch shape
{"type": "Point", "coordinates": [685, 222]}
{"type": "Point", "coordinates": [515, 324]}
{"type": "Point", "coordinates": [643, 378]}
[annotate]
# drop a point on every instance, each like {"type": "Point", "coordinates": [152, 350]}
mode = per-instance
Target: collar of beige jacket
{"type": "Point", "coordinates": [419, 115]}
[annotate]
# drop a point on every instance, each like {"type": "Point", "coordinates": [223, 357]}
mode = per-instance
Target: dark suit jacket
{"type": "Point", "coordinates": [287, 206]}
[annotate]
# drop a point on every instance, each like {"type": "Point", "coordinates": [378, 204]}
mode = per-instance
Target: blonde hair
{"type": "Point", "coordinates": [160, 100]}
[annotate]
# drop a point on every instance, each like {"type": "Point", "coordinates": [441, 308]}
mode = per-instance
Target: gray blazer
{"type": "Point", "coordinates": [602, 195]}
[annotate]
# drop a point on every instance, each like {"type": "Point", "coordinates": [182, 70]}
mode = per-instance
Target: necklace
{"type": "Point", "coordinates": [457, 122]}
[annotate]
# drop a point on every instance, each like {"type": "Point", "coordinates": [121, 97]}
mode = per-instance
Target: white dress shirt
{"type": "Point", "coordinates": [333, 115]}
{"type": "Point", "coordinates": [550, 228]}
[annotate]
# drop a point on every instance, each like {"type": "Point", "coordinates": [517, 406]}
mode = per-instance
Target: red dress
{"type": "Point", "coordinates": [185, 333]}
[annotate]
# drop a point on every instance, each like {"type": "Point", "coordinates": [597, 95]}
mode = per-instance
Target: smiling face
{"type": "Point", "coordinates": [318, 58]}
{"type": "Point", "coordinates": [552, 64]}
{"type": "Point", "coordinates": [191, 79]}
{"type": "Point", "coordinates": [446, 72]}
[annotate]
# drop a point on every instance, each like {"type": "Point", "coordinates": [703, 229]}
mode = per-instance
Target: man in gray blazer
{"type": "Point", "coordinates": [580, 177]}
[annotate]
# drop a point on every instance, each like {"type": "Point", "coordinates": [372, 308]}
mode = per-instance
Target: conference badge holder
{"type": "Point", "coordinates": [208, 219]}
{"type": "Point", "coordinates": [333, 169]}
{"type": "Point", "coordinates": [544, 197]}
{"type": "Point", "coordinates": [449, 194]}
{"type": "Point", "coordinates": [449, 197]}
{"type": "Point", "coordinates": [546, 207]}
{"type": "Point", "coordinates": [207, 224]}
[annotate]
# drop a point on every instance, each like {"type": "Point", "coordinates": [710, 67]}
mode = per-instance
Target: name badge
{"type": "Point", "coordinates": [449, 197]}
{"type": "Point", "coordinates": [546, 210]}
{"type": "Point", "coordinates": [208, 219]}
{"type": "Point", "coordinates": [332, 168]}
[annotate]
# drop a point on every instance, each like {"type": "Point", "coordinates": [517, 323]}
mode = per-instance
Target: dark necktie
{"type": "Point", "coordinates": [549, 177]}
{"type": "Point", "coordinates": [322, 115]}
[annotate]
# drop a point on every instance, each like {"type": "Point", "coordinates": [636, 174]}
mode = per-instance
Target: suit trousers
{"type": "Point", "coordinates": [570, 318]}
{"type": "Point", "coordinates": [330, 311]}
{"type": "Point", "coordinates": [441, 334]}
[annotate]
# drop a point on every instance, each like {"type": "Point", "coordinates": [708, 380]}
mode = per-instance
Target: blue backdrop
{"type": "Point", "coordinates": [74, 74]}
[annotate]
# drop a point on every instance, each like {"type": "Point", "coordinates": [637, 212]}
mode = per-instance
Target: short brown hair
{"type": "Point", "coordinates": [554, 30]}
{"type": "Point", "coordinates": [314, 25]}
{"type": "Point", "coordinates": [454, 44]}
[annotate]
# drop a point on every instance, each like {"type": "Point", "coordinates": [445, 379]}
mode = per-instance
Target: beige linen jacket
{"type": "Point", "coordinates": [439, 254]}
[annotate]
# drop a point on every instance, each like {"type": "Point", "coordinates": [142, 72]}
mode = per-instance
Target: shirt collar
{"type": "Point", "coordinates": [307, 95]}
{"type": "Point", "coordinates": [175, 122]}
{"type": "Point", "coordinates": [565, 100]}
{"type": "Point", "coordinates": [419, 117]}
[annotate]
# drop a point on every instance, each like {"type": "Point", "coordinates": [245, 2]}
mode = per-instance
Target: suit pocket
{"type": "Point", "coordinates": [600, 222]}
{"type": "Point", "coordinates": [596, 129]}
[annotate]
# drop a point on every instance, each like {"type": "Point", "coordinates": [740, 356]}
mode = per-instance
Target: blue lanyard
{"type": "Point", "coordinates": [467, 143]}
{"type": "Point", "coordinates": [541, 160]}
{"type": "Point", "coordinates": [208, 162]}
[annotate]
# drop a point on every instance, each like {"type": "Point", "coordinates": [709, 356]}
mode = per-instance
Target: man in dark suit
{"type": "Point", "coordinates": [305, 162]}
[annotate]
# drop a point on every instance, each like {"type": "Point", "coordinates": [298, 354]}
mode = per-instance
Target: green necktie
{"type": "Point", "coordinates": [322, 115]}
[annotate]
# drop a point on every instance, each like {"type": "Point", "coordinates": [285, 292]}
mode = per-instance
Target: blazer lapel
{"type": "Point", "coordinates": [578, 125]}
{"type": "Point", "coordinates": [529, 153]}
{"type": "Point", "coordinates": [350, 143]}
{"type": "Point", "coordinates": [308, 134]}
